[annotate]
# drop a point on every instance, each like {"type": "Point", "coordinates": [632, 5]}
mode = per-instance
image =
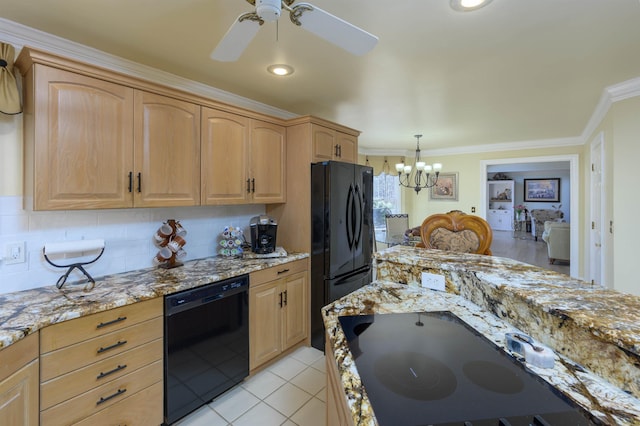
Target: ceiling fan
{"type": "Point", "coordinates": [323, 24]}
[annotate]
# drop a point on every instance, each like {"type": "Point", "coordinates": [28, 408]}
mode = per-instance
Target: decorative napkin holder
{"type": "Point", "coordinates": [169, 238]}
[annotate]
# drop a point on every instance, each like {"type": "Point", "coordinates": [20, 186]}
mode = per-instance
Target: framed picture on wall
{"type": "Point", "coordinates": [542, 190]}
{"type": "Point", "coordinates": [446, 189]}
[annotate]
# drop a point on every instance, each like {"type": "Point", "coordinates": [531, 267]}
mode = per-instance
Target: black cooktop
{"type": "Point", "coordinates": [431, 368]}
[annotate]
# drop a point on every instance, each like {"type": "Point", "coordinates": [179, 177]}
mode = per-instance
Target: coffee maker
{"type": "Point", "coordinates": [263, 230]}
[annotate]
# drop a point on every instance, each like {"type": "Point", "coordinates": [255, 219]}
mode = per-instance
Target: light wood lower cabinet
{"type": "Point", "coordinates": [101, 361]}
{"type": "Point", "coordinates": [338, 412]}
{"type": "Point", "coordinates": [278, 310]}
{"type": "Point", "coordinates": [19, 383]}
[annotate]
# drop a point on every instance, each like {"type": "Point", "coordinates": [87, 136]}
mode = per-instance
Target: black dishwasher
{"type": "Point", "coordinates": [206, 344]}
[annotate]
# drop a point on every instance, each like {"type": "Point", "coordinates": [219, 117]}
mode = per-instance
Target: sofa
{"type": "Point", "coordinates": [539, 217]}
{"type": "Point", "coordinates": [557, 236]}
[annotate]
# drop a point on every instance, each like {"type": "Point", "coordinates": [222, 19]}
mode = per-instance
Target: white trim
{"type": "Point", "coordinates": [574, 165]}
{"type": "Point", "coordinates": [20, 35]}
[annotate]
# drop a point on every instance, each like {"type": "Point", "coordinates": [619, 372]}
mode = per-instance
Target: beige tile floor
{"type": "Point", "coordinates": [291, 392]}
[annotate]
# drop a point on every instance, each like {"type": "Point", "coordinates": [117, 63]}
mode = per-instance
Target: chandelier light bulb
{"type": "Point", "coordinates": [437, 167]}
{"type": "Point", "coordinates": [399, 167]}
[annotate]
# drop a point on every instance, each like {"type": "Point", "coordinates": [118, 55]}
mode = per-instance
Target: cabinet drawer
{"type": "Point", "coordinates": [276, 272]}
{"type": "Point", "coordinates": [20, 353]}
{"type": "Point", "coordinates": [69, 332]}
{"type": "Point", "coordinates": [104, 396]}
{"type": "Point", "coordinates": [82, 354]}
{"type": "Point", "coordinates": [84, 379]}
{"type": "Point", "coordinates": [143, 408]}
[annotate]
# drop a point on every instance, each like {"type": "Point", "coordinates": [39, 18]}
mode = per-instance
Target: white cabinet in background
{"type": "Point", "coordinates": [500, 219]}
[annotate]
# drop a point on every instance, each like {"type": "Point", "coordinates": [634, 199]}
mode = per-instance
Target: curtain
{"type": "Point", "coordinates": [9, 95]}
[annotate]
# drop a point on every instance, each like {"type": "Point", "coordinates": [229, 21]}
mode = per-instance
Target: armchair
{"type": "Point", "coordinates": [557, 237]}
{"type": "Point", "coordinates": [539, 217]}
{"type": "Point", "coordinates": [456, 231]}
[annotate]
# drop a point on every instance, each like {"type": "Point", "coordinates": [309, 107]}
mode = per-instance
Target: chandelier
{"type": "Point", "coordinates": [422, 176]}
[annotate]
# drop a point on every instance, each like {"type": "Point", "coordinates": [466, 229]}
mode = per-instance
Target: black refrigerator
{"type": "Point", "coordinates": [341, 235]}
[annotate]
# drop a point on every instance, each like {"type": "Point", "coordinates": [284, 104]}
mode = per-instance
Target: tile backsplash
{"type": "Point", "coordinates": [127, 233]}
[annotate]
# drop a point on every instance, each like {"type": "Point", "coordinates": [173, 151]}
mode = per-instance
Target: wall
{"type": "Point", "coordinates": [468, 168]}
{"type": "Point", "coordinates": [565, 189]}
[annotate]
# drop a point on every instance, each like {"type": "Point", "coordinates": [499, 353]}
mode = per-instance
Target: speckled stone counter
{"type": "Point", "coordinates": [596, 327]}
{"type": "Point", "coordinates": [24, 312]}
{"type": "Point", "coordinates": [603, 400]}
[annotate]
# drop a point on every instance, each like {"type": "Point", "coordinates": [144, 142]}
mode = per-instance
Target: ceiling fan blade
{"type": "Point", "coordinates": [237, 38]}
{"type": "Point", "coordinates": [333, 29]}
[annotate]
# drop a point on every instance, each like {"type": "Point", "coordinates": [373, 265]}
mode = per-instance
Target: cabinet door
{"type": "Point", "coordinates": [81, 147]}
{"type": "Point", "coordinates": [324, 143]}
{"type": "Point", "coordinates": [167, 151]}
{"type": "Point", "coordinates": [267, 169]}
{"type": "Point", "coordinates": [295, 310]}
{"type": "Point", "coordinates": [225, 142]}
{"type": "Point", "coordinates": [19, 397]}
{"type": "Point", "coordinates": [347, 147]}
{"type": "Point", "coordinates": [264, 323]}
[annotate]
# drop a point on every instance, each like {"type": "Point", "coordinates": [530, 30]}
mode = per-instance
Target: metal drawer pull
{"type": "Point", "coordinates": [105, 399]}
{"type": "Point", "coordinates": [280, 300]}
{"type": "Point", "coordinates": [115, 345]}
{"type": "Point", "coordinates": [104, 324]}
{"type": "Point", "coordinates": [283, 271]}
{"type": "Point", "coordinates": [115, 370]}
{"type": "Point", "coordinates": [285, 298]}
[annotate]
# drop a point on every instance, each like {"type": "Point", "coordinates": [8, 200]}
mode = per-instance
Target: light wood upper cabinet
{"type": "Point", "coordinates": [78, 140]}
{"type": "Point", "coordinates": [225, 157]}
{"type": "Point", "coordinates": [167, 151]}
{"type": "Point", "coordinates": [267, 169]}
{"type": "Point", "coordinates": [330, 144]}
{"type": "Point", "coordinates": [242, 159]}
{"type": "Point", "coordinates": [92, 144]}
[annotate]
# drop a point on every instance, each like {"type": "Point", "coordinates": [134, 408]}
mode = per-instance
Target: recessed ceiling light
{"type": "Point", "coordinates": [280, 69]}
{"type": "Point", "coordinates": [468, 5]}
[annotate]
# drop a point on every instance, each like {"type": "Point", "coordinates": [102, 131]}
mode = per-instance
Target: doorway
{"type": "Point", "coordinates": [572, 159]}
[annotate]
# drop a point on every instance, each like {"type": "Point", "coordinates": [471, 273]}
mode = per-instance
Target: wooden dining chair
{"type": "Point", "coordinates": [457, 231]}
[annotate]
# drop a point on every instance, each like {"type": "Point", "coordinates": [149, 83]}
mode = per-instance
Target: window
{"type": "Point", "coordinates": [386, 198]}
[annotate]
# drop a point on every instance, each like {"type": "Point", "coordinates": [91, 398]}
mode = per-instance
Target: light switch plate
{"type": "Point", "coordinates": [433, 281]}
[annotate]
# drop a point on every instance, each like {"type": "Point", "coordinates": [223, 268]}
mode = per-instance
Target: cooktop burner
{"type": "Point", "coordinates": [431, 368]}
{"type": "Point", "coordinates": [415, 375]}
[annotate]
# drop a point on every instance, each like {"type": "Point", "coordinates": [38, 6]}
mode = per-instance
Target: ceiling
{"type": "Point", "coordinates": [513, 71]}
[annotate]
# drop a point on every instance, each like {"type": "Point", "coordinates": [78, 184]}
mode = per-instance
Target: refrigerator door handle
{"type": "Point", "coordinates": [349, 217]}
{"type": "Point", "coordinates": [359, 216]}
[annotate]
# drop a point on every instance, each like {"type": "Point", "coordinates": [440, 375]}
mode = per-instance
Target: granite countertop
{"type": "Point", "coordinates": [592, 325]}
{"type": "Point", "coordinates": [606, 402]}
{"type": "Point", "coordinates": [24, 312]}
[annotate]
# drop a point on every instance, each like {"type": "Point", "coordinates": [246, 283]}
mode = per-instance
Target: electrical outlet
{"type": "Point", "coordinates": [433, 281]}
{"type": "Point", "coordinates": [15, 253]}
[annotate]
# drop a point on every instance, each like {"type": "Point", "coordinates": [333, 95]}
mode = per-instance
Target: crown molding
{"type": "Point", "coordinates": [475, 149]}
{"type": "Point", "coordinates": [20, 35]}
{"type": "Point", "coordinates": [611, 94]}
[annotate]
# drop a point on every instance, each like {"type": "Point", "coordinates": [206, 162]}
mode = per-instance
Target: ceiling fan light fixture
{"type": "Point", "coordinates": [280, 69]}
{"type": "Point", "coordinates": [269, 10]}
{"type": "Point", "coordinates": [468, 5]}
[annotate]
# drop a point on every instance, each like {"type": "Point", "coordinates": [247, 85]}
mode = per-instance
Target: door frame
{"type": "Point", "coordinates": [574, 196]}
{"type": "Point", "coordinates": [597, 143]}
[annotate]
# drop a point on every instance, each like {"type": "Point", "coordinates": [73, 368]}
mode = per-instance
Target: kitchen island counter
{"type": "Point", "coordinates": [594, 326]}
{"type": "Point", "coordinates": [25, 312]}
{"type": "Point", "coordinates": [606, 402]}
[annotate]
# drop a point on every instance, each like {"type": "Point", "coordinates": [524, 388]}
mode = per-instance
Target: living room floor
{"type": "Point", "coordinates": [522, 246]}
